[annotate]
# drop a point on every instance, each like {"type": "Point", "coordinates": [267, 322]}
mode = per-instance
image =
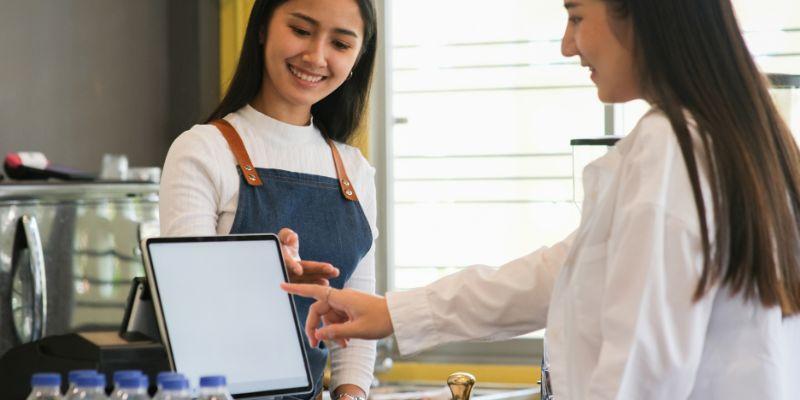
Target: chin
{"type": "Point", "coordinates": [605, 98]}
{"type": "Point", "coordinates": [300, 99]}
{"type": "Point", "coordinates": [617, 96]}
{"type": "Point", "coordinates": [610, 98]}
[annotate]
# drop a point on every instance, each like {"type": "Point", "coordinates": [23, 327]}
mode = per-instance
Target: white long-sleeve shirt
{"type": "Point", "coordinates": [200, 190]}
{"type": "Point", "coordinates": [616, 296]}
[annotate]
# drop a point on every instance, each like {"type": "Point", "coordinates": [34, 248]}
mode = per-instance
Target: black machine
{"type": "Point", "coordinates": [135, 346]}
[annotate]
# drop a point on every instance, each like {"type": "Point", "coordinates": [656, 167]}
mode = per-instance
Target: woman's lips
{"type": "Point", "coordinates": [304, 77]}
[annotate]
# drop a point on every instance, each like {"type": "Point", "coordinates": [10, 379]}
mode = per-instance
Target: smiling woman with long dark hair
{"type": "Point", "coordinates": [273, 157]}
{"type": "Point", "coordinates": [683, 279]}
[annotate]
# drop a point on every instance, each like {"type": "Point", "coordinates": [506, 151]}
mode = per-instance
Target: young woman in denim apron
{"type": "Point", "coordinates": [273, 158]}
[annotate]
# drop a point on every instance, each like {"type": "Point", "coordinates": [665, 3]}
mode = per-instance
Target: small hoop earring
{"type": "Point", "coordinates": [351, 75]}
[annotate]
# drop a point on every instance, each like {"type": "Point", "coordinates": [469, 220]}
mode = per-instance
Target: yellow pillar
{"type": "Point", "coordinates": [233, 15]}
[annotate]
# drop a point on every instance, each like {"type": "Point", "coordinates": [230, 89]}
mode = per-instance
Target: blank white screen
{"type": "Point", "coordinates": [226, 314]}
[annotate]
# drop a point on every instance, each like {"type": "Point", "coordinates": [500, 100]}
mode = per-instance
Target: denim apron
{"type": "Point", "coordinates": [324, 212]}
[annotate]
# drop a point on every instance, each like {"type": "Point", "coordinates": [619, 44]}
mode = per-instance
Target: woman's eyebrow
{"type": "Point", "coordinates": [314, 22]}
{"type": "Point", "coordinates": [571, 4]}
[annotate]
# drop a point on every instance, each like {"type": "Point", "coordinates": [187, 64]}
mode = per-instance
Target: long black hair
{"type": "Point", "coordinates": [691, 55]}
{"type": "Point", "coordinates": [337, 115]}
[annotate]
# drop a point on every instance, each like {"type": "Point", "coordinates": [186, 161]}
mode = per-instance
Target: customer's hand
{"type": "Point", "coordinates": [345, 314]}
{"type": "Point", "coordinates": [301, 271]}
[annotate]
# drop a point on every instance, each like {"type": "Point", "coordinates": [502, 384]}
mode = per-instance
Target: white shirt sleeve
{"type": "Point", "coordinates": [188, 196]}
{"type": "Point", "coordinates": [479, 303]}
{"type": "Point", "coordinates": [355, 363]}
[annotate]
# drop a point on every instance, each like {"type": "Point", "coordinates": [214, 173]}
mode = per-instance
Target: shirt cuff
{"type": "Point", "coordinates": [358, 378]}
{"type": "Point", "coordinates": [412, 320]}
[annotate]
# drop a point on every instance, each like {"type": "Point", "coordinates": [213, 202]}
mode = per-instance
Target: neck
{"type": "Point", "coordinates": [290, 114]}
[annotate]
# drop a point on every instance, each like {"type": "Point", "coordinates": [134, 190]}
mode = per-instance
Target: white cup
{"type": "Point", "coordinates": [144, 174]}
{"type": "Point", "coordinates": [114, 168]}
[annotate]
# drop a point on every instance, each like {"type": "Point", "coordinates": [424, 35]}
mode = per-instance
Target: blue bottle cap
{"type": "Point", "coordinates": [167, 375]}
{"type": "Point", "coordinates": [46, 379]}
{"type": "Point", "coordinates": [132, 382]}
{"type": "Point", "coordinates": [176, 384]}
{"type": "Point", "coordinates": [127, 372]}
{"type": "Point", "coordinates": [75, 373]}
{"type": "Point", "coordinates": [90, 381]}
{"type": "Point", "coordinates": [212, 381]}
{"type": "Point", "coordinates": [101, 377]}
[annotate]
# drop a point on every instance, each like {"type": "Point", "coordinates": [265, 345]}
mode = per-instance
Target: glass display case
{"type": "Point", "coordinates": [68, 253]}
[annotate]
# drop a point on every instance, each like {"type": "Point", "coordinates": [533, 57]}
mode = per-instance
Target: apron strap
{"type": "Point", "coordinates": [239, 151]}
{"type": "Point", "coordinates": [346, 186]}
{"type": "Point", "coordinates": [249, 171]}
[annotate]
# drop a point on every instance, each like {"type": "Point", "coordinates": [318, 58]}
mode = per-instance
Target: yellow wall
{"type": "Point", "coordinates": [233, 17]}
{"type": "Point", "coordinates": [428, 372]}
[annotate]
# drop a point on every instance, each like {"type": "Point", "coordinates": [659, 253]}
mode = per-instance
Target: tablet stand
{"type": "Point", "coordinates": [139, 322]}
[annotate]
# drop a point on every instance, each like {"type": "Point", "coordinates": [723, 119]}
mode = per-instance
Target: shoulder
{"type": "Point", "coordinates": [653, 143]}
{"type": "Point", "coordinates": [200, 148]}
{"type": "Point", "coordinates": [202, 138]}
{"type": "Point", "coordinates": [653, 130]}
{"type": "Point", "coordinates": [355, 162]}
{"type": "Point", "coordinates": [654, 168]}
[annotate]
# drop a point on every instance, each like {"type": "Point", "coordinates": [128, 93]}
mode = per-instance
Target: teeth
{"type": "Point", "coordinates": [307, 78]}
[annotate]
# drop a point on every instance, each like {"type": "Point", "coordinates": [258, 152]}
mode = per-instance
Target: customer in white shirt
{"type": "Point", "coordinates": [274, 156]}
{"type": "Point", "coordinates": [683, 278]}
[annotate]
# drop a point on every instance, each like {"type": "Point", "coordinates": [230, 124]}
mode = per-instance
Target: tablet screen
{"type": "Point", "coordinates": [224, 312]}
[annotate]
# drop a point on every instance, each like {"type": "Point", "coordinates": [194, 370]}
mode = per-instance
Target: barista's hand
{"type": "Point", "coordinates": [345, 314]}
{"type": "Point", "coordinates": [300, 271]}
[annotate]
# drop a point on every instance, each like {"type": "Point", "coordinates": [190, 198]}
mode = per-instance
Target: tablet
{"type": "Point", "coordinates": [221, 311]}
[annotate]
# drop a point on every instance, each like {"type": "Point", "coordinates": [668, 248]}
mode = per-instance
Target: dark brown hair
{"type": "Point", "coordinates": [691, 56]}
{"type": "Point", "coordinates": [337, 115]}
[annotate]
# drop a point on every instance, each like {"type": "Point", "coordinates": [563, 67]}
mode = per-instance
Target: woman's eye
{"type": "Point", "coordinates": [300, 32]}
{"type": "Point", "coordinates": [341, 45]}
{"type": "Point", "coordinates": [575, 20]}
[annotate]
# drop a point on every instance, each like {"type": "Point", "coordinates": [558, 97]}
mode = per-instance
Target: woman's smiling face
{"type": "Point", "coordinates": [311, 47]}
{"type": "Point", "coordinates": [605, 44]}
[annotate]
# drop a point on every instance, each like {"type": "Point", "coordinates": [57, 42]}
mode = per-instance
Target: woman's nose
{"type": "Point", "coordinates": [568, 48]}
{"type": "Point", "coordinates": [315, 53]}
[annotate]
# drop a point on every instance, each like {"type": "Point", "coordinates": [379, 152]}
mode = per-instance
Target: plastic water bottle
{"type": "Point", "coordinates": [45, 386]}
{"type": "Point", "coordinates": [162, 376]}
{"type": "Point", "coordinates": [174, 388]}
{"type": "Point", "coordinates": [131, 387]}
{"type": "Point", "coordinates": [118, 375]}
{"type": "Point", "coordinates": [89, 387]}
{"type": "Point", "coordinates": [213, 388]}
{"type": "Point", "coordinates": [72, 376]}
